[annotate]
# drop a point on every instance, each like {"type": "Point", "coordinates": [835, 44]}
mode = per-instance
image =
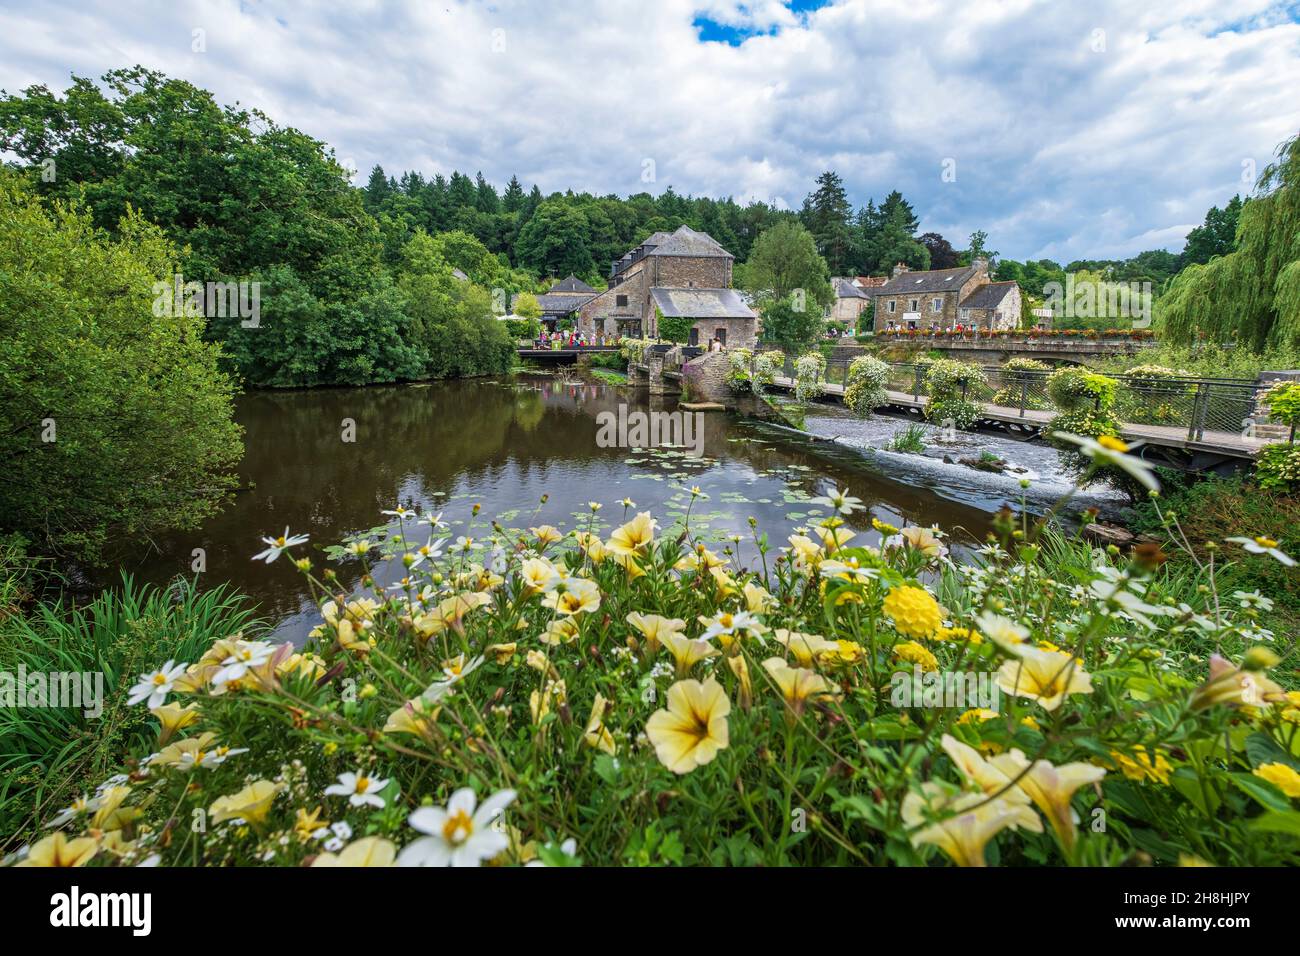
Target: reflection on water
{"type": "Point", "coordinates": [505, 444]}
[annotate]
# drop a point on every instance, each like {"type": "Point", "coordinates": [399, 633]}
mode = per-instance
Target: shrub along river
{"type": "Point", "coordinates": [506, 443]}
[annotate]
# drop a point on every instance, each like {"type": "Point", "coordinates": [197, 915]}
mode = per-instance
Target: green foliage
{"type": "Point", "coordinates": [527, 306]}
{"type": "Point", "coordinates": [676, 328]}
{"type": "Point", "coordinates": [809, 370]}
{"type": "Point", "coordinates": [1018, 387]}
{"type": "Point", "coordinates": [953, 388]}
{"type": "Point", "coordinates": [792, 324]}
{"type": "Point", "coordinates": [1277, 467]}
{"type": "Point", "coordinates": [1074, 389]}
{"type": "Point", "coordinates": [117, 421]}
{"type": "Point", "coordinates": [1251, 294]}
{"type": "Point", "coordinates": [53, 755]}
{"type": "Point", "coordinates": [1283, 401]}
{"type": "Point", "coordinates": [784, 262]}
{"type": "Point", "coordinates": [910, 440]}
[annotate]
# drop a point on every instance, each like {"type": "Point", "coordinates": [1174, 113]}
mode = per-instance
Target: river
{"type": "Point", "coordinates": [506, 443]}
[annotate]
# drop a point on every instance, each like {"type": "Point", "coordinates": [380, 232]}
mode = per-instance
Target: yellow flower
{"type": "Point", "coordinates": [758, 599]}
{"type": "Point", "coordinates": [798, 684]}
{"type": "Point", "coordinates": [653, 627]}
{"type": "Point", "coordinates": [958, 634]}
{"type": "Point", "coordinates": [1143, 767]}
{"type": "Point", "coordinates": [914, 611]}
{"type": "Point", "coordinates": [174, 717]}
{"type": "Point", "coordinates": [686, 651]}
{"type": "Point", "coordinates": [693, 728]}
{"type": "Point", "coordinates": [414, 717]}
{"type": "Point", "coordinates": [1235, 687]}
{"type": "Point", "coordinates": [449, 612]}
{"type": "Point", "coordinates": [634, 537]}
{"type": "Point", "coordinates": [1047, 677]}
{"type": "Point", "coordinates": [804, 647]}
{"type": "Point", "coordinates": [577, 596]}
{"type": "Point", "coordinates": [307, 822]}
{"type": "Point", "coordinates": [980, 714]}
{"type": "Point", "coordinates": [58, 850]}
{"type": "Point", "coordinates": [699, 559]}
{"type": "Point", "coordinates": [597, 735]}
{"type": "Point", "coordinates": [844, 652]}
{"type": "Point", "coordinates": [914, 653]}
{"type": "Point", "coordinates": [546, 534]}
{"type": "Point", "coordinates": [109, 812]}
{"type": "Point", "coordinates": [501, 653]}
{"type": "Point", "coordinates": [807, 553]}
{"type": "Point", "coordinates": [741, 669]}
{"type": "Point", "coordinates": [535, 572]}
{"type": "Point", "coordinates": [591, 544]}
{"type": "Point", "coordinates": [833, 536]}
{"type": "Point", "coordinates": [368, 851]}
{"type": "Point", "coordinates": [252, 804]}
{"type": "Point", "coordinates": [966, 822]}
{"type": "Point", "coordinates": [1051, 788]}
{"type": "Point", "coordinates": [980, 772]}
{"type": "Point", "coordinates": [1281, 776]}
{"type": "Point", "coordinates": [563, 630]}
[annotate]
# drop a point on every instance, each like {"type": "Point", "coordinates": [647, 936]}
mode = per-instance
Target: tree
{"type": "Point", "coordinates": [1217, 236]}
{"type": "Point", "coordinates": [783, 261]}
{"type": "Point", "coordinates": [554, 242]}
{"type": "Point", "coordinates": [513, 199]}
{"type": "Point", "coordinates": [527, 306]}
{"type": "Point", "coordinates": [826, 214]}
{"type": "Point", "coordinates": [1251, 294]}
{"type": "Point", "coordinates": [117, 421]}
{"type": "Point", "coordinates": [942, 254]}
{"type": "Point", "coordinates": [791, 324]}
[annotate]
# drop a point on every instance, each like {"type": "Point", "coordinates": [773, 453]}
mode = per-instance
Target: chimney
{"type": "Point", "coordinates": [980, 265]}
{"type": "Point", "coordinates": [899, 268]}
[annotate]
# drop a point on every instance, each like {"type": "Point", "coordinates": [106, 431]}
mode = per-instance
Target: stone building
{"type": "Point", "coordinates": [561, 300]}
{"type": "Point", "coordinates": [946, 298]}
{"type": "Point", "coordinates": [851, 300]}
{"type": "Point", "coordinates": [682, 274]}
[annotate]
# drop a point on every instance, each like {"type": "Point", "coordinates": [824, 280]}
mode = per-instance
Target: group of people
{"type": "Point", "coordinates": [574, 339]}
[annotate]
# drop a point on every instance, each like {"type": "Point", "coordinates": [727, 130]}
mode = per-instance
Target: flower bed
{"type": "Point", "coordinates": [623, 694]}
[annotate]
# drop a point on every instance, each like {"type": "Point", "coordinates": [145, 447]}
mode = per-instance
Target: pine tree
{"type": "Point", "coordinates": [513, 200]}
{"type": "Point", "coordinates": [826, 214]}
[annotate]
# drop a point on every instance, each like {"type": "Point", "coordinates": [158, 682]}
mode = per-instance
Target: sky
{"type": "Point", "coordinates": [1066, 130]}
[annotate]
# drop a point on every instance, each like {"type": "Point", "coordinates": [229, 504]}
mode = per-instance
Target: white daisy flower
{"type": "Point", "coordinates": [277, 546]}
{"type": "Point", "coordinates": [153, 688]}
{"type": "Point", "coordinates": [359, 789]}
{"type": "Point", "coordinates": [459, 835]}
{"type": "Point", "coordinates": [1262, 545]}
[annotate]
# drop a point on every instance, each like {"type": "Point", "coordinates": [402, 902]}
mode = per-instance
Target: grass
{"type": "Point", "coordinates": [911, 439]}
{"type": "Point", "coordinates": [49, 756]}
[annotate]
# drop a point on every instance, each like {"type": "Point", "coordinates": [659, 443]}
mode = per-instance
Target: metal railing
{"type": "Point", "coordinates": [1198, 405]}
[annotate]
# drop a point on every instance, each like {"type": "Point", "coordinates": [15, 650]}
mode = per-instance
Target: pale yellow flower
{"type": "Point", "coordinates": [368, 851]}
{"type": "Point", "coordinates": [252, 804]}
{"type": "Point", "coordinates": [173, 717]}
{"type": "Point", "coordinates": [1235, 687]}
{"type": "Point", "coordinates": [804, 647]}
{"type": "Point", "coordinates": [535, 572]}
{"type": "Point", "coordinates": [686, 651]}
{"type": "Point", "coordinates": [1051, 788]}
{"type": "Point", "coordinates": [965, 822]}
{"type": "Point", "coordinates": [758, 599]}
{"type": "Point", "coordinates": [652, 627]}
{"type": "Point", "coordinates": [414, 717]}
{"type": "Point", "coordinates": [546, 534]}
{"type": "Point", "coordinates": [693, 728]}
{"type": "Point", "coordinates": [58, 850]}
{"type": "Point", "coordinates": [1047, 677]}
{"type": "Point", "coordinates": [597, 735]}
{"type": "Point", "coordinates": [634, 537]}
{"type": "Point", "coordinates": [798, 685]}
{"type": "Point", "coordinates": [577, 596]}
{"type": "Point", "coordinates": [562, 630]}
{"type": "Point", "coordinates": [984, 775]}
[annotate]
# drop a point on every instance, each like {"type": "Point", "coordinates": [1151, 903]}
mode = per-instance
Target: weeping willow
{"type": "Point", "coordinates": [1252, 295]}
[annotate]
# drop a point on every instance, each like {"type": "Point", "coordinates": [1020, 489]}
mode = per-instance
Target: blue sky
{"type": "Point", "coordinates": [1064, 130]}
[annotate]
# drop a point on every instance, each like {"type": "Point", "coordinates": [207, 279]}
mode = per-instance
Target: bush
{"type": "Point", "coordinates": [630, 691]}
{"type": "Point", "coordinates": [867, 383]}
{"type": "Point", "coordinates": [1277, 467]}
{"type": "Point", "coordinates": [1073, 389]}
{"type": "Point", "coordinates": [952, 387]}
{"type": "Point", "coordinates": [52, 755]}
{"type": "Point", "coordinates": [808, 371]}
{"type": "Point", "coordinates": [1018, 387]}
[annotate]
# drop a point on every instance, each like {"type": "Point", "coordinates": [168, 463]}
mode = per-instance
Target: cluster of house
{"type": "Point", "coordinates": [687, 274]}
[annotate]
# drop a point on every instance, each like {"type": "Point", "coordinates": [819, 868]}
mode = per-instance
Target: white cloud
{"type": "Point", "coordinates": [1061, 149]}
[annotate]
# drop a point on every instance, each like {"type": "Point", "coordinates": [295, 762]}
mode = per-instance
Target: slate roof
{"type": "Point", "coordinates": [571, 284]}
{"type": "Point", "coordinates": [458, 274]}
{"type": "Point", "coordinates": [701, 303]}
{"type": "Point", "coordinates": [936, 280]}
{"type": "Point", "coordinates": [988, 296]}
{"type": "Point", "coordinates": [687, 242]}
{"type": "Point", "coordinates": [562, 303]}
{"type": "Point", "coordinates": [845, 289]}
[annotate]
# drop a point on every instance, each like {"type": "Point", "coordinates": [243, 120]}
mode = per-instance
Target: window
{"type": "Point", "coordinates": [620, 300]}
{"type": "Point", "coordinates": [914, 305]}
{"type": "Point", "coordinates": [936, 305]}
{"type": "Point", "coordinates": [965, 315]}
{"type": "Point", "coordinates": [890, 306]}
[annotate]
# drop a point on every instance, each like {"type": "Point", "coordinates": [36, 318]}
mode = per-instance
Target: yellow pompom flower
{"type": "Point", "coordinates": [1281, 776]}
{"type": "Point", "coordinates": [1143, 766]}
{"type": "Point", "coordinates": [914, 611]}
{"type": "Point", "coordinates": [914, 653]}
